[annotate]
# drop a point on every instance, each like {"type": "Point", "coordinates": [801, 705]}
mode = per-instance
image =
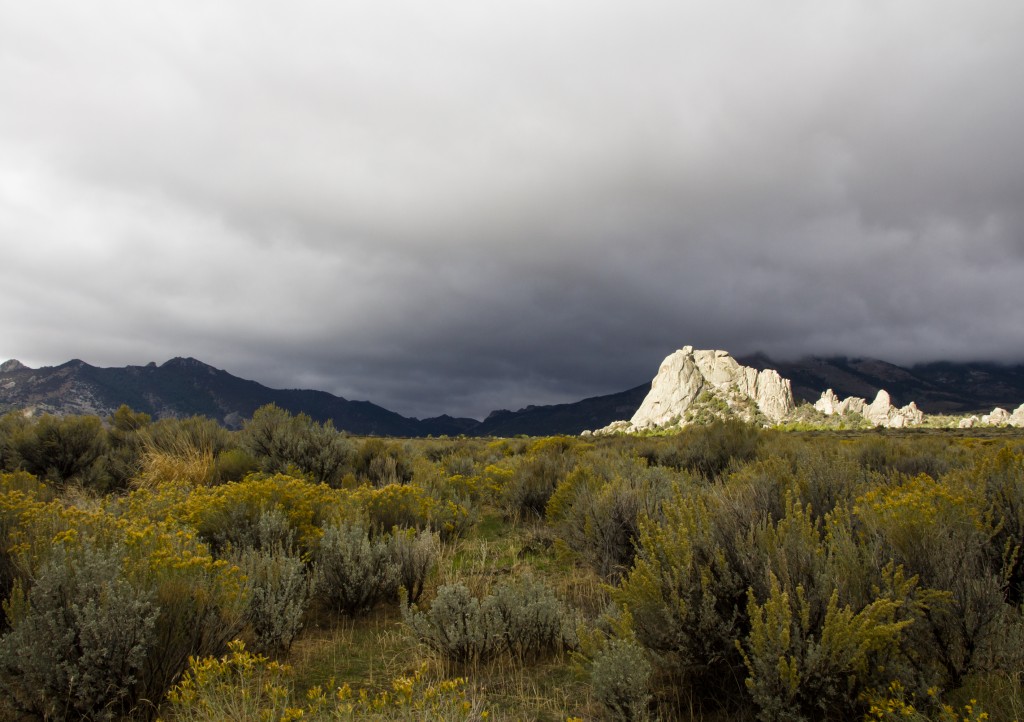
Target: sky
{"type": "Point", "coordinates": [457, 206]}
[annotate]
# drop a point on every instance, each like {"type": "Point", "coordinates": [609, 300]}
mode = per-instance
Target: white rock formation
{"type": "Point", "coordinates": [968, 422]}
{"type": "Point", "coordinates": [690, 382]}
{"type": "Point", "coordinates": [879, 412]}
{"type": "Point", "coordinates": [998, 417]}
{"type": "Point", "coordinates": [828, 403]}
{"type": "Point", "coordinates": [1017, 417]}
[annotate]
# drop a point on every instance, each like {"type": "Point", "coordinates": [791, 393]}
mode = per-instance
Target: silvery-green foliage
{"type": "Point", "coordinates": [457, 626]}
{"type": "Point", "coordinates": [533, 620]}
{"type": "Point", "coordinates": [271, 529]}
{"type": "Point", "coordinates": [521, 617]}
{"type": "Point", "coordinates": [619, 677]}
{"type": "Point", "coordinates": [281, 441]}
{"type": "Point", "coordinates": [280, 589]}
{"type": "Point", "coordinates": [356, 572]}
{"type": "Point", "coordinates": [415, 553]}
{"type": "Point", "coordinates": [78, 639]}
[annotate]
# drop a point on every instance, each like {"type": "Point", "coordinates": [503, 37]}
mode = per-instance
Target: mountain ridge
{"type": "Point", "coordinates": [185, 386]}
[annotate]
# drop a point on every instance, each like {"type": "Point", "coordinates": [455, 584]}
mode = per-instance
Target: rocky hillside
{"type": "Point", "coordinates": [187, 387]}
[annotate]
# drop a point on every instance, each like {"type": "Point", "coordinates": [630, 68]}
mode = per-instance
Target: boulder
{"type": "Point", "coordinates": [998, 417]}
{"type": "Point", "coordinates": [879, 412]}
{"type": "Point", "coordinates": [1017, 417]}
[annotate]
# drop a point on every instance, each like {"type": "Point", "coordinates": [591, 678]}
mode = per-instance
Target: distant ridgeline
{"type": "Point", "coordinates": [692, 386]}
{"type": "Point", "coordinates": [185, 387]}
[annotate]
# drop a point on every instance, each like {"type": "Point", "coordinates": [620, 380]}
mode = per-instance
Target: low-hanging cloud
{"type": "Point", "coordinates": [453, 207]}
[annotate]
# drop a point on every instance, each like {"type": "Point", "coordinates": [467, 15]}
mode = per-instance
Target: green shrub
{"type": "Point", "coordinates": [415, 553]}
{"type": "Point", "coordinates": [12, 427]}
{"type": "Point", "coordinates": [685, 597]}
{"type": "Point", "coordinates": [940, 530]}
{"type": "Point", "coordinates": [457, 626]}
{"type": "Point", "coordinates": [127, 445]}
{"type": "Point", "coordinates": [79, 639]}
{"type": "Point", "coordinates": [281, 443]}
{"type": "Point", "coordinates": [521, 617]}
{"type": "Point", "coordinates": [357, 572]}
{"type": "Point", "coordinates": [800, 669]}
{"type": "Point", "coordinates": [196, 434]}
{"type": "Point", "coordinates": [232, 514]}
{"type": "Point", "coordinates": [709, 450]}
{"type": "Point", "coordinates": [535, 477]}
{"type": "Point", "coordinates": [619, 678]}
{"type": "Point", "coordinates": [234, 465]}
{"type": "Point", "coordinates": [62, 449]}
{"type": "Point", "coordinates": [596, 511]}
{"type": "Point", "coordinates": [381, 463]}
{"type": "Point", "coordinates": [279, 589]}
{"type": "Point", "coordinates": [1001, 475]}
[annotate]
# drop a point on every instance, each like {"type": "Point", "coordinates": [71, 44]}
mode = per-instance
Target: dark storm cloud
{"type": "Point", "coordinates": [456, 206]}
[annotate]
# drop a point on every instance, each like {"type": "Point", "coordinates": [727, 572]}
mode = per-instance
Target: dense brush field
{"type": "Point", "coordinates": [174, 570]}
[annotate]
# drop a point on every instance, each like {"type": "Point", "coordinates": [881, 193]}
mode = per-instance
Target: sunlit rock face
{"type": "Point", "coordinates": [1000, 417]}
{"type": "Point", "coordinates": [695, 385]}
{"type": "Point", "coordinates": [879, 412]}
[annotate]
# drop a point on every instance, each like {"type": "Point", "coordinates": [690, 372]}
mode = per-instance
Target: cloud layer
{"type": "Point", "coordinates": [451, 207]}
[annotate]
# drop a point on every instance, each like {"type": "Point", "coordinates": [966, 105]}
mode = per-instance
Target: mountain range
{"type": "Point", "coordinates": [187, 387]}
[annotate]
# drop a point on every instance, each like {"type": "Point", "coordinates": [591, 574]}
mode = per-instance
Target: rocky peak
{"type": "Point", "coordinates": [693, 384]}
{"type": "Point", "coordinates": [12, 365]}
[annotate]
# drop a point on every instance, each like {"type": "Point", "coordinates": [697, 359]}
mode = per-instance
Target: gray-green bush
{"type": "Point", "coordinates": [280, 589]}
{"type": "Point", "coordinates": [521, 617]}
{"type": "Point", "coordinates": [281, 442]}
{"type": "Point", "coordinates": [79, 638]}
{"type": "Point", "coordinates": [619, 678]}
{"type": "Point", "coordinates": [415, 554]}
{"type": "Point", "coordinates": [356, 572]}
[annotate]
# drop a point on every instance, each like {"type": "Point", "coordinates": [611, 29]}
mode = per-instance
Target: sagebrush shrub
{"type": "Point", "coordinates": [356, 572]}
{"type": "Point", "coordinates": [619, 678]}
{"type": "Point", "coordinates": [457, 626]}
{"type": "Point", "coordinates": [521, 617]}
{"type": "Point", "coordinates": [596, 511]}
{"type": "Point", "coordinates": [534, 621]}
{"type": "Point", "coordinates": [281, 442]}
{"type": "Point", "coordinates": [280, 589]}
{"type": "Point", "coordinates": [79, 638]}
{"type": "Point", "coordinates": [415, 553]}
{"type": "Point", "coordinates": [534, 478]}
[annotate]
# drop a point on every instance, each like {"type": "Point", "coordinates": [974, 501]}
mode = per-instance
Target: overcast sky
{"type": "Point", "coordinates": [456, 206]}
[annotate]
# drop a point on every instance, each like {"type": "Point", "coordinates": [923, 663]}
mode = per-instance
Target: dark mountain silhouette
{"type": "Point", "coordinates": [187, 387]}
{"type": "Point", "coordinates": [593, 413]}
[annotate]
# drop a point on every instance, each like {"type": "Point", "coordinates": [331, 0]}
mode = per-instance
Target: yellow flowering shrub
{"type": "Point", "coordinates": [409, 506]}
{"type": "Point", "coordinates": [243, 686]}
{"type": "Point", "coordinates": [895, 704]}
{"type": "Point", "coordinates": [230, 513]}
